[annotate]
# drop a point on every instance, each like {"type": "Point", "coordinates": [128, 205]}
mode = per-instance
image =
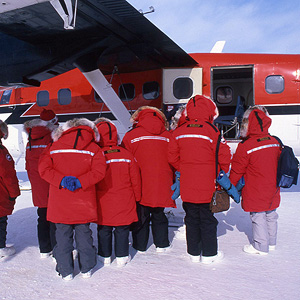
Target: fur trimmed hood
{"type": "Point", "coordinates": [179, 118]}
{"type": "Point", "coordinates": [3, 130]}
{"type": "Point", "coordinates": [73, 126]}
{"type": "Point", "coordinates": [108, 132]}
{"type": "Point", "coordinates": [38, 128]}
{"type": "Point", "coordinates": [256, 121]}
{"type": "Point", "coordinates": [150, 118]}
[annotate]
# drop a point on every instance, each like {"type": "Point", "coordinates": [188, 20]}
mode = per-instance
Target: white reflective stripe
{"type": "Point", "coordinates": [262, 147]}
{"type": "Point", "coordinates": [196, 136]}
{"type": "Point", "coordinates": [160, 138]}
{"type": "Point", "coordinates": [118, 160]}
{"type": "Point", "coordinates": [72, 151]}
{"type": "Point", "coordinates": [36, 146]}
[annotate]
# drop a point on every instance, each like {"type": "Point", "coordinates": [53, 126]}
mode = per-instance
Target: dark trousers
{"type": "Point", "coordinates": [121, 236]}
{"type": "Point", "coordinates": [3, 232]}
{"type": "Point", "coordinates": [201, 229]}
{"type": "Point", "coordinates": [46, 231]}
{"type": "Point", "coordinates": [64, 247]}
{"type": "Point", "coordinates": [159, 226]}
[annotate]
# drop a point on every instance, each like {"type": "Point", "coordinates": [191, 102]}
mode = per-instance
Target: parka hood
{"type": "Point", "coordinates": [38, 128]}
{"type": "Point", "coordinates": [151, 119]}
{"type": "Point", "coordinates": [202, 108]}
{"type": "Point", "coordinates": [108, 132]}
{"type": "Point", "coordinates": [256, 121]}
{"type": "Point", "coordinates": [76, 133]}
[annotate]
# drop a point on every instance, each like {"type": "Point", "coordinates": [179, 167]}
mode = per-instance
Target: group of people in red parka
{"type": "Point", "coordinates": [80, 173]}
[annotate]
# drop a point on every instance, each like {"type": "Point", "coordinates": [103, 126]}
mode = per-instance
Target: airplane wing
{"type": "Point", "coordinates": [35, 44]}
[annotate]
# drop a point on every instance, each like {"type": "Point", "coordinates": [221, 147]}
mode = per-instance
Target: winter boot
{"type": "Point", "coordinates": [105, 260]}
{"type": "Point", "coordinates": [251, 250]}
{"type": "Point", "coordinates": [122, 261]}
{"type": "Point", "coordinates": [210, 259]}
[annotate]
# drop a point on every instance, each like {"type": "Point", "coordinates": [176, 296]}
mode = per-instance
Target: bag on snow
{"type": "Point", "coordinates": [288, 166]}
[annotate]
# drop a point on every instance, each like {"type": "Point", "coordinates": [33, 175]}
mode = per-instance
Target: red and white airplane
{"type": "Point", "coordinates": [103, 57]}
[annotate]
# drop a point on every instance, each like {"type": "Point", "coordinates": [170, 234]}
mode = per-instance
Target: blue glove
{"type": "Point", "coordinates": [71, 183]}
{"type": "Point", "coordinates": [225, 183]}
{"type": "Point", "coordinates": [63, 182]}
{"type": "Point", "coordinates": [176, 186]}
{"type": "Point", "coordinates": [239, 186]}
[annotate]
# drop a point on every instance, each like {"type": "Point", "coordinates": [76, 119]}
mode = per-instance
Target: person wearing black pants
{"type": "Point", "coordinates": [121, 235]}
{"type": "Point", "coordinates": [46, 231]}
{"type": "Point", "coordinates": [201, 229]}
{"type": "Point", "coordinates": [159, 226]}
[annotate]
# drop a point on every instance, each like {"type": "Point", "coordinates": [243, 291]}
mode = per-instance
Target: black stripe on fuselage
{"type": "Point", "coordinates": [17, 111]}
{"type": "Point", "coordinates": [284, 110]}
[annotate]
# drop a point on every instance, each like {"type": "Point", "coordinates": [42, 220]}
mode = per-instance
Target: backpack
{"type": "Point", "coordinates": [288, 166]}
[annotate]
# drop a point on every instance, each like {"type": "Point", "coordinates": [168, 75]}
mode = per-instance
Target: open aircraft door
{"type": "Point", "coordinates": [179, 85]}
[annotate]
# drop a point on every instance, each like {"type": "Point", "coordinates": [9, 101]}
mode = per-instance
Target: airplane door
{"type": "Point", "coordinates": [180, 85]}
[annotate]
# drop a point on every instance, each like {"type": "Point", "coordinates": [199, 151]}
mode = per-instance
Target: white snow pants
{"type": "Point", "coordinates": [264, 227]}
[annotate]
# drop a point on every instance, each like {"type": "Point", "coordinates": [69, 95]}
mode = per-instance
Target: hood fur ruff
{"type": "Point", "coordinates": [102, 119]}
{"type": "Point", "coordinates": [38, 122]}
{"type": "Point", "coordinates": [245, 121]}
{"type": "Point", "coordinates": [179, 117]}
{"type": "Point", "coordinates": [134, 116]}
{"type": "Point", "coordinates": [3, 129]}
{"type": "Point", "coordinates": [57, 133]}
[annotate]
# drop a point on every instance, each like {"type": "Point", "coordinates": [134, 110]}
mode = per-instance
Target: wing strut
{"type": "Point", "coordinates": [65, 11]}
{"type": "Point", "coordinates": [109, 97]}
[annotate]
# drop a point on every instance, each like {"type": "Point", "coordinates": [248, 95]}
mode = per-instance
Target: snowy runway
{"type": "Point", "coordinates": [162, 276]}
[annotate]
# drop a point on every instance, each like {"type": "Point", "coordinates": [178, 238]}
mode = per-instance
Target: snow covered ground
{"type": "Point", "coordinates": [161, 276]}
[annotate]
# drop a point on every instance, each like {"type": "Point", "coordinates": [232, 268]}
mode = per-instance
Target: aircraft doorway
{"type": "Point", "coordinates": [232, 90]}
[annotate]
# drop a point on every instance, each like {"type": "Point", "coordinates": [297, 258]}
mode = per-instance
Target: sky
{"type": "Point", "coordinates": [247, 26]}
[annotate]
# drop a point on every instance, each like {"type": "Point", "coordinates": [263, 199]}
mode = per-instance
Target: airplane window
{"type": "Point", "coordinates": [64, 97]}
{"type": "Point", "coordinates": [126, 91]}
{"type": "Point", "coordinates": [5, 97]}
{"type": "Point", "coordinates": [224, 94]}
{"type": "Point", "coordinates": [42, 98]}
{"type": "Point", "coordinates": [274, 84]}
{"type": "Point", "coordinates": [183, 88]}
{"type": "Point", "coordinates": [151, 90]}
{"type": "Point", "coordinates": [97, 97]}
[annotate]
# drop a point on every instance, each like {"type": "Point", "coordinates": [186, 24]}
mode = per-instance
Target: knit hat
{"type": "Point", "coordinates": [3, 130]}
{"type": "Point", "coordinates": [49, 116]}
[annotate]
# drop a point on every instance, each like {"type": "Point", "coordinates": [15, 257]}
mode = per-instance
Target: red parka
{"type": "Point", "coordinates": [256, 159]}
{"type": "Point", "coordinates": [39, 136]}
{"type": "Point", "coordinates": [148, 142]}
{"type": "Point", "coordinates": [9, 185]}
{"type": "Point", "coordinates": [74, 152]}
{"type": "Point", "coordinates": [192, 151]}
{"type": "Point", "coordinates": [118, 192]}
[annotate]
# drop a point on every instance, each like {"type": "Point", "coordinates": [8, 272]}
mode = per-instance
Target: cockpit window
{"type": "Point", "coordinates": [5, 97]}
{"type": "Point", "coordinates": [97, 98]}
{"type": "Point", "coordinates": [42, 98]}
{"type": "Point", "coordinates": [274, 84]}
{"type": "Point", "coordinates": [224, 94]}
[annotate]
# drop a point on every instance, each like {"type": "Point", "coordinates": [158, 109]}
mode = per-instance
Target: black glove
{"type": "Point", "coordinates": [12, 198]}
